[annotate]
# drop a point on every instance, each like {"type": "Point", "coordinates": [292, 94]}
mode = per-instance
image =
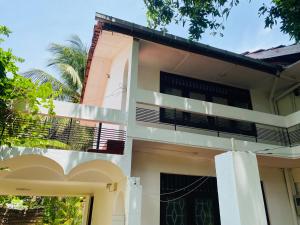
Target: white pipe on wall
{"type": "Point", "coordinates": [287, 91]}
{"type": "Point", "coordinates": [289, 187]}
{"type": "Point", "coordinates": [271, 102]}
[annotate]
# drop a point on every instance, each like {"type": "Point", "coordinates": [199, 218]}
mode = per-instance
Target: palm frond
{"type": "Point", "coordinates": [75, 55]}
{"type": "Point", "coordinates": [70, 72]}
{"type": "Point", "coordinates": [41, 77]}
{"type": "Point", "coordinates": [76, 43]}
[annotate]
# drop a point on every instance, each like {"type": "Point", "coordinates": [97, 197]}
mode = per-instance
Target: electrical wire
{"type": "Point", "coordinates": [168, 193]}
{"type": "Point", "coordinates": [175, 199]}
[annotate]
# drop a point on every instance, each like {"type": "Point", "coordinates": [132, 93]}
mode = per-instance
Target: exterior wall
{"type": "Point", "coordinates": [260, 101]}
{"type": "Point", "coordinates": [116, 88]}
{"type": "Point", "coordinates": [288, 104]}
{"type": "Point", "coordinates": [148, 167]}
{"type": "Point", "coordinates": [149, 79]}
{"type": "Point", "coordinates": [107, 82]}
{"type": "Point", "coordinates": [278, 206]}
{"type": "Point", "coordinates": [97, 81]}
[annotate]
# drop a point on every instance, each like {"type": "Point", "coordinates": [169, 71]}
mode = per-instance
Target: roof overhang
{"type": "Point", "coordinates": [109, 23]}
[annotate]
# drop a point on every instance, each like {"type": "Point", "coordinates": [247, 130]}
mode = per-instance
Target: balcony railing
{"type": "Point", "coordinates": [260, 133]}
{"type": "Point", "coordinates": [67, 134]}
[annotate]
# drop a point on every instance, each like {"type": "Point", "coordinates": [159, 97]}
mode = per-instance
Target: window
{"type": "Point", "coordinates": [200, 207]}
{"type": "Point", "coordinates": [191, 200]}
{"type": "Point", "coordinates": [206, 91]}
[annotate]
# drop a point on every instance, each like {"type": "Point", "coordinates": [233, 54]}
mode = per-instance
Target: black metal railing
{"type": "Point", "coordinates": [62, 133]}
{"type": "Point", "coordinates": [221, 127]}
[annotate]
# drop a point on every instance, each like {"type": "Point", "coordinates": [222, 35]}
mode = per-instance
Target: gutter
{"type": "Point", "coordinates": [140, 32]}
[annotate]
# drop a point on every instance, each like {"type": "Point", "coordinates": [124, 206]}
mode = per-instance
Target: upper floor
{"type": "Point", "coordinates": [145, 86]}
{"type": "Point", "coordinates": [183, 87]}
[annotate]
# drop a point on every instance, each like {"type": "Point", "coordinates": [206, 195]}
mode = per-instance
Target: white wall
{"type": "Point", "coordinates": [148, 167]}
{"type": "Point", "coordinates": [116, 87]}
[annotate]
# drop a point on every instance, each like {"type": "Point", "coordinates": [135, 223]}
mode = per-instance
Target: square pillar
{"type": "Point", "coordinates": [132, 84]}
{"type": "Point", "coordinates": [133, 201]}
{"type": "Point", "coordinates": [239, 189]}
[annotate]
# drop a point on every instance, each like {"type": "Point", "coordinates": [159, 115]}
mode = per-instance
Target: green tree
{"type": "Point", "coordinates": [70, 62]}
{"type": "Point", "coordinates": [20, 99]}
{"type": "Point", "coordinates": [66, 210]}
{"type": "Point", "coordinates": [201, 15]}
{"type": "Point", "coordinates": [56, 210]}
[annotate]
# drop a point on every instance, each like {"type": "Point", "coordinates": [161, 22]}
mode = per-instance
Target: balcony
{"type": "Point", "coordinates": [68, 134]}
{"type": "Point", "coordinates": [160, 112]}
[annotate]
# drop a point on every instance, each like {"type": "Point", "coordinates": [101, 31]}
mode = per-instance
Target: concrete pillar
{"type": "Point", "coordinates": [133, 63]}
{"type": "Point", "coordinates": [239, 189]}
{"type": "Point", "coordinates": [127, 156]}
{"type": "Point", "coordinates": [103, 207]}
{"type": "Point", "coordinates": [133, 201]}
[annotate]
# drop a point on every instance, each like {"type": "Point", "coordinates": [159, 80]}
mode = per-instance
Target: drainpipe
{"type": "Point", "coordinates": [291, 190]}
{"type": "Point", "coordinates": [285, 93]}
{"type": "Point", "coordinates": [271, 102]}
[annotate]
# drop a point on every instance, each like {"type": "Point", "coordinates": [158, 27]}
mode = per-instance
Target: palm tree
{"type": "Point", "coordinates": [70, 62]}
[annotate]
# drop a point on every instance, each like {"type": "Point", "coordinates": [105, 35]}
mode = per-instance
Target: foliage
{"type": "Point", "coordinates": [20, 98]}
{"type": "Point", "coordinates": [67, 210]}
{"type": "Point", "coordinates": [288, 11]}
{"type": "Point", "coordinates": [70, 62]}
{"type": "Point", "coordinates": [211, 14]}
{"type": "Point", "coordinates": [56, 210]}
{"type": "Point", "coordinates": [41, 77]}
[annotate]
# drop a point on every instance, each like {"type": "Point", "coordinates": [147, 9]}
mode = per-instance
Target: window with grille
{"type": "Point", "coordinates": [200, 206]}
{"type": "Point", "coordinates": [173, 84]}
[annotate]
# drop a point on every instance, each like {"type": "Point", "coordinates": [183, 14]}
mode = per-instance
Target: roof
{"type": "Point", "coordinates": [280, 50]}
{"type": "Point", "coordinates": [109, 23]}
{"type": "Point", "coordinates": [281, 55]}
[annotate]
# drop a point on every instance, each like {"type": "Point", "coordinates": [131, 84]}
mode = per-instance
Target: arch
{"type": "Point", "coordinates": [97, 171]}
{"type": "Point", "coordinates": [34, 167]}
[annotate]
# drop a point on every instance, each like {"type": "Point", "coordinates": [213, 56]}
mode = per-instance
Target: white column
{"type": "Point", "coordinates": [133, 63]}
{"type": "Point", "coordinates": [103, 207]}
{"type": "Point", "coordinates": [239, 189]}
{"type": "Point", "coordinates": [127, 156]}
{"type": "Point", "coordinates": [133, 201]}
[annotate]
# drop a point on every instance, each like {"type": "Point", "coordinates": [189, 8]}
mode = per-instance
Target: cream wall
{"type": "Point", "coordinates": [276, 196]}
{"type": "Point", "coordinates": [97, 81]}
{"type": "Point", "coordinates": [116, 87]}
{"type": "Point", "coordinates": [260, 101]}
{"type": "Point", "coordinates": [288, 104]}
{"type": "Point", "coordinates": [148, 167]}
{"type": "Point", "coordinates": [149, 79]}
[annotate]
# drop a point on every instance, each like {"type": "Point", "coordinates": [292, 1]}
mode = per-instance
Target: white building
{"type": "Point", "coordinates": [182, 134]}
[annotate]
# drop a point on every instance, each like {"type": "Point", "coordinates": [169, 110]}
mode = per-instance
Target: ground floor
{"type": "Point", "coordinates": [180, 187]}
{"type": "Point", "coordinates": [167, 185]}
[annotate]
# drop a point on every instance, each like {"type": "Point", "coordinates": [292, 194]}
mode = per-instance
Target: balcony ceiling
{"type": "Point", "coordinates": [110, 44]}
{"type": "Point", "coordinates": [206, 154]}
{"type": "Point", "coordinates": [202, 67]}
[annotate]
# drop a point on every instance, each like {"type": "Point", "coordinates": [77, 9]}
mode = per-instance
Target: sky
{"type": "Point", "coordinates": [37, 23]}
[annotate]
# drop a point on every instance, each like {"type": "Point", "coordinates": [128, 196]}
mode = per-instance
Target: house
{"type": "Point", "coordinates": [172, 132]}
